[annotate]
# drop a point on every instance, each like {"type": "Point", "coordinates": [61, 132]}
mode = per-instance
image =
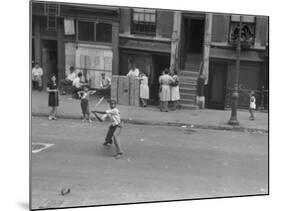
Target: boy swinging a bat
{"type": "Point", "coordinates": [114, 115]}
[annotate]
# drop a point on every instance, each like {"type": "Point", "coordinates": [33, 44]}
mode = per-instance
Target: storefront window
{"type": "Point", "coordinates": [144, 21]}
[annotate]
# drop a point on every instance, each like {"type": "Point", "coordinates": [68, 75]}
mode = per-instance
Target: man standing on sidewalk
{"type": "Point", "coordinates": [37, 73]}
{"type": "Point", "coordinates": [68, 81]}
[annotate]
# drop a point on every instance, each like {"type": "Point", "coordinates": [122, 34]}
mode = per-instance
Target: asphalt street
{"type": "Point", "coordinates": [160, 163]}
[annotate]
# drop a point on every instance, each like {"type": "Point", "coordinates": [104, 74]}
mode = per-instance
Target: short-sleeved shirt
{"type": "Point", "coordinates": [77, 82]}
{"type": "Point", "coordinates": [37, 71]}
{"type": "Point", "coordinates": [105, 83]}
{"type": "Point", "coordinates": [71, 76]}
{"type": "Point", "coordinates": [134, 73]}
{"type": "Point", "coordinates": [114, 116]}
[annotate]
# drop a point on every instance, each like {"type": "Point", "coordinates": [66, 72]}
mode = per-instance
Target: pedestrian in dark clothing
{"type": "Point", "coordinates": [53, 102]}
{"type": "Point", "coordinates": [200, 91]}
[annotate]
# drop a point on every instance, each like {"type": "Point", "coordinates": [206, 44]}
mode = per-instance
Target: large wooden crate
{"type": "Point", "coordinates": [114, 88]}
{"type": "Point", "coordinates": [125, 90]}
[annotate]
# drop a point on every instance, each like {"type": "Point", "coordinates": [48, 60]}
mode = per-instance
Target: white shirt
{"type": "Point", "coordinates": [71, 76]}
{"type": "Point", "coordinates": [37, 71]}
{"type": "Point", "coordinates": [105, 83]}
{"type": "Point", "coordinates": [76, 82]}
{"type": "Point", "coordinates": [134, 73]}
{"type": "Point", "coordinates": [114, 115]}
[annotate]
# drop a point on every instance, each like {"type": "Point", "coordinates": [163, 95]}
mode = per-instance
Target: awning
{"type": "Point", "coordinates": [230, 54]}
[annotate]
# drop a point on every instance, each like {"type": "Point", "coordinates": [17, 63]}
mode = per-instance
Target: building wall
{"type": "Point", "coordinates": [164, 26]}
{"type": "Point", "coordinates": [164, 22]}
{"type": "Point", "coordinates": [252, 73]}
{"type": "Point", "coordinates": [67, 45]}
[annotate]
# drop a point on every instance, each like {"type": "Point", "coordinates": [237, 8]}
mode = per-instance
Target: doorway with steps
{"type": "Point", "coordinates": [192, 45]}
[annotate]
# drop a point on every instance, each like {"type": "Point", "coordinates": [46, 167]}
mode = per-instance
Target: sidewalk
{"type": "Point", "coordinates": [211, 119]}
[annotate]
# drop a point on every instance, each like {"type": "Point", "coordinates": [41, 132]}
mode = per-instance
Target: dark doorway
{"type": "Point", "coordinates": [160, 62]}
{"type": "Point", "coordinates": [194, 35]}
{"type": "Point", "coordinates": [49, 59]}
{"type": "Point", "coordinates": [217, 85]}
{"type": "Point", "coordinates": [192, 39]}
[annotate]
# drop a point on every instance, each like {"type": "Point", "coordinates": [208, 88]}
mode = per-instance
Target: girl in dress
{"type": "Point", "coordinates": [144, 89]}
{"type": "Point", "coordinates": [52, 89]}
{"type": "Point", "coordinates": [252, 105]}
{"type": "Point", "coordinates": [175, 92]}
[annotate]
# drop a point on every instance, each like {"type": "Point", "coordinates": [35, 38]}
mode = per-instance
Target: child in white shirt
{"type": "Point", "coordinates": [252, 106]}
{"type": "Point", "coordinates": [84, 96]}
{"type": "Point", "coordinates": [114, 115]}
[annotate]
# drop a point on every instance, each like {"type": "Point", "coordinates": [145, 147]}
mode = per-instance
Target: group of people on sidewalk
{"type": "Point", "coordinates": [168, 91]}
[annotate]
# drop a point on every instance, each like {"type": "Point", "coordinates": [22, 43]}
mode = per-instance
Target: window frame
{"type": "Point", "coordinates": [143, 23]}
{"type": "Point", "coordinates": [95, 22]}
{"type": "Point", "coordinates": [244, 44]}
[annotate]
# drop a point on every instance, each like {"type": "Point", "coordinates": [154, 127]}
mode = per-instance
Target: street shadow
{"type": "Point", "coordinates": [23, 205]}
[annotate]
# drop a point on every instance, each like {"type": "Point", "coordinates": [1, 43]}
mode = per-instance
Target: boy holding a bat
{"type": "Point", "coordinates": [114, 115]}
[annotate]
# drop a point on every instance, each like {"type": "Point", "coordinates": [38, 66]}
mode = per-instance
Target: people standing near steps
{"type": "Point", "coordinates": [144, 89]}
{"type": "Point", "coordinates": [68, 81]}
{"type": "Point", "coordinates": [53, 102]}
{"type": "Point", "coordinates": [114, 114]}
{"type": "Point", "coordinates": [175, 91]}
{"type": "Point", "coordinates": [252, 106]}
{"type": "Point", "coordinates": [37, 74]}
{"type": "Point", "coordinates": [165, 96]}
{"type": "Point", "coordinates": [133, 72]}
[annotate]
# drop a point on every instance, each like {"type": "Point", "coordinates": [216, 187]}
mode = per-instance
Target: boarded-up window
{"type": "Point", "coordinates": [219, 28]}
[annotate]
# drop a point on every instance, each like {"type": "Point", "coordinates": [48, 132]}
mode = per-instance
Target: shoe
{"type": "Point", "coordinates": [50, 118]}
{"type": "Point", "coordinates": [54, 118]}
{"type": "Point", "coordinates": [83, 120]}
{"type": "Point", "coordinates": [118, 156]}
{"type": "Point", "coordinates": [90, 121]}
{"type": "Point", "coordinates": [106, 144]}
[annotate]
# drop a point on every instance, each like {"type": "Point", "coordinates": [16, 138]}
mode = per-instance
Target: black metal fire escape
{"type": "Point", "coordinates": [52, 11]}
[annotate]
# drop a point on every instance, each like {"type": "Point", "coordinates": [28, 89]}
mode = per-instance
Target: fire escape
{"type": "Point", "coordinates": [52, 12]}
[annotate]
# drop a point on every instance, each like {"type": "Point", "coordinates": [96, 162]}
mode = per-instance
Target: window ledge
{"type": "Point", "coordinates": [139, 37]}
{"type": "Point", "coordinates": [227, 45]}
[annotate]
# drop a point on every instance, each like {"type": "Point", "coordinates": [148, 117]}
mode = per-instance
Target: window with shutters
{"type": "Point", "coordinates": [247, 30]}
{"type": "Point", "coordinates": [144, 22]}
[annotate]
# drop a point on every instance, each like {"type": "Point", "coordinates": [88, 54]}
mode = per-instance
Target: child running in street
{"type": "Point", "coordinates": [114, 114]}
{"type": "Point", "coordinates": [84, 96]}
{"type": "Point", "coordinates": [252, 105]}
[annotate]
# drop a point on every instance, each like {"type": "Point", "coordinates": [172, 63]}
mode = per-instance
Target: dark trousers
{"type": "Point", "coordinates": [85, 107]}
{"type": "Point", "coordinates": [111, 137]}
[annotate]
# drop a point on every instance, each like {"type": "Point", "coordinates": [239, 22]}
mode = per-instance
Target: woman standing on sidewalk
{"type": "Point", "coordinates": [53, 102]}
{"type": "Point", "coordinates": [165, 96]}
{"type": "Point", "coordinates": [175, 92]}
{"type": "Point", "coordinates": [144, 90]}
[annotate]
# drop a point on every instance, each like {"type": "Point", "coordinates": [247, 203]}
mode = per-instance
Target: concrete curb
{"type": "Point", "coordinates": [174, 124]}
